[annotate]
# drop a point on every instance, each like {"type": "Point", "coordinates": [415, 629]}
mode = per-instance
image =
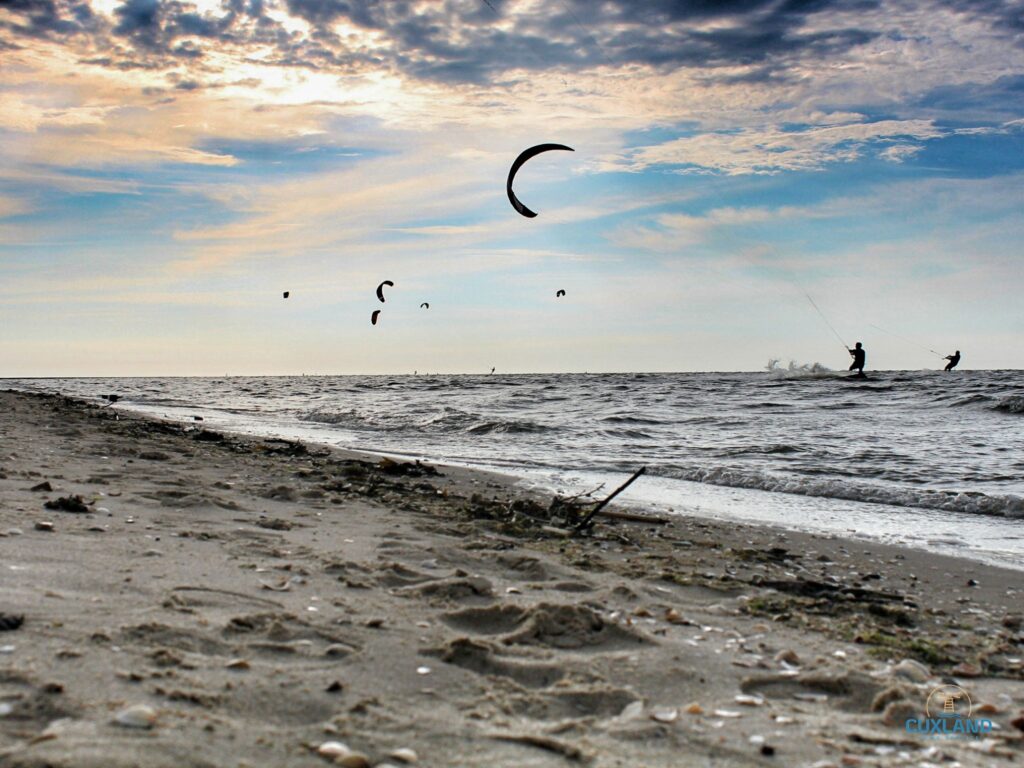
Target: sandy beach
{"type": "Point", "coordinates": [197, 599]}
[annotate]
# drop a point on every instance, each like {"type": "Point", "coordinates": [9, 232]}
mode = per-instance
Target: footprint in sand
{"type": "Point", "coordinates": [483, 659]}
{"type": "Point", "coordinates": [548, 625]}
{"type": "Point", "coordinates": [851, 691]}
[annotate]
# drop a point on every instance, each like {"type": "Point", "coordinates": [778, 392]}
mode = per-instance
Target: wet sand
{"type": "Point", "coordinates": [230, 601]}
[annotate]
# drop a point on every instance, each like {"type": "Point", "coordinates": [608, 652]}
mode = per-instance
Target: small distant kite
{"type": "Point", "coordinates": [424, 305]}
{"type": "Point", "coordinates": [374, 316]}
{"type": "Point", "coordinates": [560, 293]}
{"type": "Point", "coordinates": [380, 289]}
{"type": "Point", "coordinates": [523, 157]}
{"type": "Point", "coordinates": [285, 294]}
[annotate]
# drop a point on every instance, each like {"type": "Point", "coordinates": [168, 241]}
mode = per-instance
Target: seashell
{"type": "Point", "coordinates": [405, 755]}
{"type": "Point", "coordinates": [788, 656]}
{"type": "Point", "coordinates": [672, 616]}
{"type": "Point", "coordinates": [727, 713]}
{"type": "Point", "coordinates": [422, 670]}
{"type": "Point", "coordinates": [665, 715]}
{"type": "Point", "coordinates": [694, 709]}
{"type": "Point", "coordinates": [631, 710]}
{"type": "Point", "coordinates": [748, 701]}
{"type": "Point", "coordinates": [44, 525]}
{"type": "Point", "coordinates": [912, 670]}
{"type": "Point", "coordinates": [987, 709]}
{"type": "Point", "coordinates": [282, 586]}
{"type": "Point", "coordinates": [237, 664]}
{"type": "Point", "coordinates": [136, 716]}
{"type": "Point", "coordinates": [334, 749]}
{"type": "Point", "coordinates": [354, 760]}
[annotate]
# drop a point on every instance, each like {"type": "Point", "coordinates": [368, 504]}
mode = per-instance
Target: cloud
{"type": "Point", "coordinates": [772, 149]}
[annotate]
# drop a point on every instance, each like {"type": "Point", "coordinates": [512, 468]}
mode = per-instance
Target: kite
{"type": "Point", "coordinates": [523, 157]}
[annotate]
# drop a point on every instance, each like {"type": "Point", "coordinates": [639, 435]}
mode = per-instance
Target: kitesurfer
{"type": "Point", "coordinates": [954, 359]}
{"type": "Point", "coordinates": [857, 353]}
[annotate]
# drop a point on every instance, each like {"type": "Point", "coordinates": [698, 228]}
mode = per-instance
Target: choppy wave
{"type": "Point", "coordinates": [969, 502]}
{"type": "Point", "coordinates": [1011, 404]}
{"type": "Point", "coordinates": [446, 421]}
{"type": "Point", "coordinates": [904, 439]}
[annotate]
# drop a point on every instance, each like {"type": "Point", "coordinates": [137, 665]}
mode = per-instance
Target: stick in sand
{"type": "Point", "coordinates": [586, 521]}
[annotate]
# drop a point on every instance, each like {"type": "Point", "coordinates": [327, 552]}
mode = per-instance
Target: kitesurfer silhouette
{"type": "Point", "coordinates": [857, 353]}
{"type": "Point", "coordinates": [953, 360]}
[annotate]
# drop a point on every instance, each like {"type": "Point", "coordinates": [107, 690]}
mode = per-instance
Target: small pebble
{"type": "Point", "coordinates": [44, 525]}
{"type": "Point", "coordinates": [422, 670]}
{"type": "Point", "coordinates": [695, 709]}
{"type": "Point", "coordinates": [966, 669]}
{"type": "Point", "coordinates": [405, 755]}
{"type": "Point", "coordinates": [238, 664]}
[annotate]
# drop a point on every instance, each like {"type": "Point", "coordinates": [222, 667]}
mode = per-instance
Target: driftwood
{"type": "Point", "coordinates": [569, 751]}
{"type": "Point", "coordinates": [585, 523]}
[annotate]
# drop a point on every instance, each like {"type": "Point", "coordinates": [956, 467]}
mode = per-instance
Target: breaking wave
{"type": "Point", "coordinates": [968, 502]}
{"type": "Point", "coordinates": [1011, 404]}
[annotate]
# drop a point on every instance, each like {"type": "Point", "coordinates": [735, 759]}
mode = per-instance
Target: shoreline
{"type": "Point", "coordinates": [954, 528]}
{"type": "Point", "coordinates": [229, 582]}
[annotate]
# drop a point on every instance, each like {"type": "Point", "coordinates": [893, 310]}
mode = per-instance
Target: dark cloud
{"type": "Point", "coordinates": [50, 18]}
{"type": "Point", "coordinates": [460, 41]}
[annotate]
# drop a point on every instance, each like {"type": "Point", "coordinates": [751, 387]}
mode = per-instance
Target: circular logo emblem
{"type": "Point", "coordinates": [948, 701]}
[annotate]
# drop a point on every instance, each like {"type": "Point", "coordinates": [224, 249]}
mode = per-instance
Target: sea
{"type": "Point", "coordinates": [922, 459]}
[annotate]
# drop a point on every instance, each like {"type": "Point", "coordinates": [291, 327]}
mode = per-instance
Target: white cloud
{"type": "Point", "coordinates": [771, 149]}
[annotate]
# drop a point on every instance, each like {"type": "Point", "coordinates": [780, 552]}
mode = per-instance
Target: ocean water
{"type": "Point", "coordinates": [923, 459]}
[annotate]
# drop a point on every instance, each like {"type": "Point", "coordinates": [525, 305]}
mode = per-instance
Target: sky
{"type": "Point", "coordinates": [750, 180]}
